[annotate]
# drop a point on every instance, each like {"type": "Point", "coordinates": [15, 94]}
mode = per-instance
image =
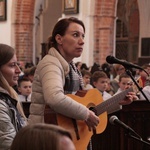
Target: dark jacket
{"type": "Point", "coordinates": [10, 120]}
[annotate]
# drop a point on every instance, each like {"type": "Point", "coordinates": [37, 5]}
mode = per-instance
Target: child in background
{"type": "Point", "coordinates": [78, 65]}
{"type": "Point", "coordinates": [124, 82]}
{"type": "Point", "coordinates": [100, 81]}
{"type": "Point", "coordinates": [110, 89]}
{"type": "Point", "coordinates": [86, 75]}
{"type": "Point", "coordinates": [29, 73]}
{"type": "Point", "coordinates": [119, 69]}
{"type": "Point", "coordinates": [24, 89]}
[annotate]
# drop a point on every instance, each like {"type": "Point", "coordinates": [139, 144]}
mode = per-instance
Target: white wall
{"type": "Point", "coordinates": [144, 11]}
{"type": "Point", "coordinates": [87, 15]}
{"type": "Point", "coordinates": [5, 26]}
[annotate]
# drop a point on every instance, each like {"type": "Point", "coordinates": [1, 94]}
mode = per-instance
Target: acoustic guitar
{"type": "Point", "coordinates": [92, 100]}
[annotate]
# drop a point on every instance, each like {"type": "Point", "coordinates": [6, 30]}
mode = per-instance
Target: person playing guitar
{"type": "Point", "coordinates": [56, 76]}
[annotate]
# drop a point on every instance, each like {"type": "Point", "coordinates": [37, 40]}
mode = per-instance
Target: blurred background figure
{"type": "Point", "coordinates": [119, 69]}
{"type": "Point", "coordinates": [78, 65]}
{"type": "Point", "coordinates": [29, 73]}
{"type": "Point", "coordinates": [29, 65]}
{"type": "Point", "coordinates": [146, 90]}
{"type": "Point", "coordinates": [96, 67]}
{"type": "Point", "coordinates": [106, 68]}
{"type": "Point", "coordinates": [84, 66]}
{"type": "Point", "coordinates": [21, 66]}
{"type": "Point", "coordinates": [143, 76]}
{"type": "Point", "coordinates": [86, 75]}
{"type": "Point", "coordinates": [43, 137]}
{"type": "Point", "coordinates": [110, 89]}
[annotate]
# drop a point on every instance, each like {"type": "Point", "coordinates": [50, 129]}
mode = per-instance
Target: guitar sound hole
{"type": "Point", "coordinates": [93, 109]}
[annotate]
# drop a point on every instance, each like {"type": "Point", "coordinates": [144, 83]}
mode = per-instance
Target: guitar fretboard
{"type": "Point", "coordinates": [111, 102]}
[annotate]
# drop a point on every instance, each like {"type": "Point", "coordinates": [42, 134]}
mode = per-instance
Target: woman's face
{"type": "Point", "coordinates": [11, 71]}
{"type": "Point", "coordinates": [71, 44]}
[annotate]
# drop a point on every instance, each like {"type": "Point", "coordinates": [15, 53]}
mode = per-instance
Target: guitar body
{"type": "Point", "coordinates": [79, 130]}
{"type": "Point", "coordinates": [91, 99]}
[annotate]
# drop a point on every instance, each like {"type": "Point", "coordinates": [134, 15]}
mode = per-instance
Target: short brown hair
{"type": "Point", "coordinates": [98, 74]}
{"type": "Point", "coordinates": [124, 75]}
{"type": "Point", "coordinates": [23, 79]}
{"type": "Point", "coordinates": [85, 72]}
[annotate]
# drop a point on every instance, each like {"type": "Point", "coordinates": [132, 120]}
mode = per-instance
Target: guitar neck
{"type": "Point", "coordinates": [111, 102]}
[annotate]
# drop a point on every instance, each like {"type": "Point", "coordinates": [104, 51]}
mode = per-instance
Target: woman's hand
{"type": "Point", "coordinates": [92, 121]}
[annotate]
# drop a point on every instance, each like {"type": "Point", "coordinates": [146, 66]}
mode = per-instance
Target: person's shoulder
{"type": "Point", "coordinates": [88, 86]}
{"type": "Point", "coordinates": [47, 58]}
{"type": "Point", "coordinates": [106, 93]}
{"type": "Point", "coordinates": [118, 91]}
{"type": "Point", "coordinates": [56, 60]}
{"type": "Point", "coordinates": [47, 61]}
{"type": "Point", "coordinates": [147, 88]}
{"type": "Point", "coordinates": [53, 60]}
{"type": "Point", "coordinates": [21, 98]}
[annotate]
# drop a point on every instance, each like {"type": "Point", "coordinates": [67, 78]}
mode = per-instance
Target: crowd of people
{"type": "Point", "coordinates": [48, 84]}
{"type": "Point", "coordinates": [117, 79]}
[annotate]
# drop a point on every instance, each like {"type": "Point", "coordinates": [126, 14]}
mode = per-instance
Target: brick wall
{"type": "Point", "coordinates": [104, 19]}
{"type": "Point", "coordinates": [103, 29]}
{"type": "Point", "coordinates": [23, 29]}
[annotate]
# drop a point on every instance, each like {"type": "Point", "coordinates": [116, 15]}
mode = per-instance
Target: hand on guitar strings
{"type": "Point", "coordinates": [130, 97]}
{"type": "Point", "coordinates": [92, 121]}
